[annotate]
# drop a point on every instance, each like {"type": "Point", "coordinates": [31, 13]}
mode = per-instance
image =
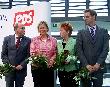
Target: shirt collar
{"type": "Point", "coordinates": [93, 27]}
{"type": "Point", "coordinates": [39, 37]}
{"type": "Point", "coordinates": [16, 36]}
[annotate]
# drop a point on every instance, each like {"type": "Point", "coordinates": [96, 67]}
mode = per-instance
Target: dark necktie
{"type": "Point", "coordinates": [17, 42]}
{"type": "Point", "coordinates": [92, 32]}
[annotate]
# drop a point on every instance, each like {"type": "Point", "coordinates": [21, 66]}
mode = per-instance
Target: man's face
{"type": "Point", "coordinates": [20, 31]}
{"type": "Point", "coordinates": [89, 19]}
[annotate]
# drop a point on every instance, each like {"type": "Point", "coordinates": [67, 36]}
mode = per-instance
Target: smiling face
{"type": "Point", "coordinates": [43, 29]}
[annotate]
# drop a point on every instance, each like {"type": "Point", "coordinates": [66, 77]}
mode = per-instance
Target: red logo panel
{"type": "Point", "coordinates": [25, 17]}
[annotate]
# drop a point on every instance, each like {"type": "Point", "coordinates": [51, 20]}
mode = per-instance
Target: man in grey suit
{"type": "Point", "coordinates": [15, 52]}
{"type": "Point", "coordinates": [92, 48]}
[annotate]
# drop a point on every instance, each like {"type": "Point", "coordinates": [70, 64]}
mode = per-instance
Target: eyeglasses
{"type": "Point", "coordinates": [23, 28]}
{"type": "Point", "coordinates": [86, 17]}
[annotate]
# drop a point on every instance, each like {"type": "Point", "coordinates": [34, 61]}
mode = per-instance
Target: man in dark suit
{"type": "Point", "coordinates": [92, 48]}
{"type": "Point", "coordinates": [15, 50]}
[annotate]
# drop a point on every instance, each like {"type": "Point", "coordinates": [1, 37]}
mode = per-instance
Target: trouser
{"type": "Point", "coordinates": [96, 80]}
{"type": "Point", "coordinates": [66, 78]}
{"type": "Point", "coordinates": [17, 76]}
{"type": "Point", "coordinates": [43, 78]}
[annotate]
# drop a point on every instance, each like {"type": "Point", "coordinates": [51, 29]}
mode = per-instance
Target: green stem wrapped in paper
{"type": "Point", "coordinates": [60, 59]}
{"type": "Point", "coordinates": [5, 69]}
{"type": "Point", "coordinates": [84, 75]}
{"type": "Point", "coordinates": [38, 61]}
{"type": "Point", "coordinates": [63, 60]}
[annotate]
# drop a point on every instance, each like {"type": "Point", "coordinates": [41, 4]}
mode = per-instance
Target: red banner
{"type": "Point", "coordinates": [25, 17]}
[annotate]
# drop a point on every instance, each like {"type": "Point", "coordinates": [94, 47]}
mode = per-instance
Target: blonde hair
{"type": "Point", "coordinates": [43, 22]}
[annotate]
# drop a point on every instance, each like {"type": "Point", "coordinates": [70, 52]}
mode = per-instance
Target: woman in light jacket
{"type": "Point", "coordinates": [67, 72]}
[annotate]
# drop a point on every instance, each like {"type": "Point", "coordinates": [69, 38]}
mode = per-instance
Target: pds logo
{"type": "Point", "coordinates": [25, 17]}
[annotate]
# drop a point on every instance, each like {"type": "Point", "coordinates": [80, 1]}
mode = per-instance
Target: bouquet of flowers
{"type": "Point", "coordinates": [5, 69]}
{"type": "Point", "coordinates": [83, 74]}
{"type": "Point", "coordinates": [60, 59]}
{"type": "Point", "coordinates": [38, 61]}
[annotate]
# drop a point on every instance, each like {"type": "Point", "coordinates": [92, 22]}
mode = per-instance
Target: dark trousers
{"type": "Point", "coordinates": [66, 78]}
{"type": "Point", "coordinates": [17, 76]}
{"type": "Point", "coordinates": [97, 80]}
{"type": "Point", "coordinates": [43, 78]}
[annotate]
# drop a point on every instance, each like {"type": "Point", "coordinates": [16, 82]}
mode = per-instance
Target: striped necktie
{"type": "Point", "coordinates": [92, 32]}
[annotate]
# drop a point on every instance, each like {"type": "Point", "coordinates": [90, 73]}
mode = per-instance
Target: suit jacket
{"type": "Point", "coordinates": [92, 51]}
{"type": "Point", "coordinates": [10, 54]}
{"type": "Point", "coordinates": [72, 59]}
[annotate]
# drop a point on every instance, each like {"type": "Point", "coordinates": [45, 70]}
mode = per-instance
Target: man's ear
{"type": "Point", "coordinates": [94, 17]}
{"type": "Point", "coordinates": [15, 26]}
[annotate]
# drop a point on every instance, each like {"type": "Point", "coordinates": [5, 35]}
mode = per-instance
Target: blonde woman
{"type": "Point", "coordinates": [46, 45]}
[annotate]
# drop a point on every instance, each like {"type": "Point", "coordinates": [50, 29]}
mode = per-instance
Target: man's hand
{"type": "Point", "coordinates": [96, 66]}
{"type": "Point", "coordinates": [90, 68]}
{"type": "Point", "coordinates": [19, 67]}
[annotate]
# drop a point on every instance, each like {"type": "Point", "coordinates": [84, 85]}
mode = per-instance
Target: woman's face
{"type": "Point", "coordinates": [43, 29]}
{"type": "Point", "coordinates": [63, 32]}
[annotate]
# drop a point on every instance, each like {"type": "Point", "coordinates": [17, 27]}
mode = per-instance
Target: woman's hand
{"type": "Point", "coordinates": [67, 62]}
{"type": "Point", "coordinates": [34, 65]}
{"type": "Point", "coordinates": [51, 63]}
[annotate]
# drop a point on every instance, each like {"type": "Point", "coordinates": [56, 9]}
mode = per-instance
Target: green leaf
{"type": "Point", "coordinates": [39, 61]}
{"type": "Point", "coordinates": [5, 69]}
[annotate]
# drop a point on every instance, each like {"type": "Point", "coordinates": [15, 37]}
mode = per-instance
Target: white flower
{"type": "Point", "coordinates": [70, 58]}
{"type": "Point", "coordinates": [35, 58]}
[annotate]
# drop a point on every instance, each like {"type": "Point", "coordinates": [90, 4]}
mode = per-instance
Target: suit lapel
{"type": "Point", "coordinates": [13, 41]}
{"type": "Point", "coordinates": [89, 36]}
{"type": "Point", "coordinates": [22, 42]}
{"type": "Point", "coordinates": [97, 32]}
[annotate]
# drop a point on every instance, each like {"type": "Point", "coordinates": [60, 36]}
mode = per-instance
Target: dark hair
{"type": "Point", "coordinates": [92, 12]}
{"type": "Point", "coordinates": [43, 22]}
{"type": "Point", "coordinates": [67, 27]}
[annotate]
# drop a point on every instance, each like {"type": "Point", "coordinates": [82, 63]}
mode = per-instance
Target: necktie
{"type": "Point", "coordinates": [17, 42]}
{"type": "Point", "coordinates": [92, 32]}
